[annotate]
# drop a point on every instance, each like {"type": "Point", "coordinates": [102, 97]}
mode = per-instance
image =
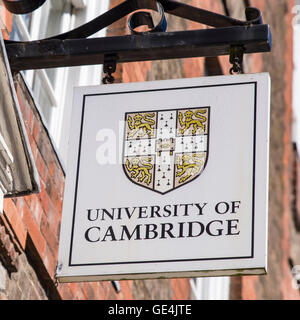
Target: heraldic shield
{"type": "Point", "coordinates": [166, 149]}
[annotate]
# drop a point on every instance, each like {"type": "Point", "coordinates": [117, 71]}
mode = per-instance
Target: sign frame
{"type": "Point", "coordinates": [253, 263]}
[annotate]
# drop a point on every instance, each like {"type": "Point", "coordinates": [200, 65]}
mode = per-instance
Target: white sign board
{"type": "Point", "coordinates": [167, 179]}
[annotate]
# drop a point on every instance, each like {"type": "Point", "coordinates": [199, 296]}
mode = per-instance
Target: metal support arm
{"type": "Point", "coordinates": [72, 48]}
{"type": "Point", "coordinates": [156, 46]}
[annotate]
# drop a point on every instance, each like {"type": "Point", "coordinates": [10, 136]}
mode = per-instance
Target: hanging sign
{"type": "Point", "coordinates": [167, 179]}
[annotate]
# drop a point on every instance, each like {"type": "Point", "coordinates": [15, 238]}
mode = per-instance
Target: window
{"type": "Point", "coordinates": [210, 288]}
{"type": "Point", "coordinates": [52, 89]}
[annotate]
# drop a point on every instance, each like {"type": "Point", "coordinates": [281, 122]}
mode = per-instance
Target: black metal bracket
{"type": "Point", "coordinates": [73, 48]}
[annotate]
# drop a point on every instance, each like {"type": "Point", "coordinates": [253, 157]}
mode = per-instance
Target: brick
{"type": "Point", "coordinates": [8, 20]}
{"type": "Point", "coordinates": [15, 220]}
{"type": "Point", "coordinates": [58, 179]}
{"type": "Point", "coordinates": [54, 194]}
{"type": "Point", "coordinates": [49, 235]}
{"type": "Point", "coordinates": [34, 230]}
{"type": "Point", "coordinates": [41, 167]}
{"type": "Point", "coordinates": [74, 289]}
{"type": "Point", "coordinates": [36, 129]}
{"type": "Point", "coordinates": [53, 217]}
{"type": "Point", "coordinates": [44, 197]}
{"type": "Point", "coordinates": [64, 290]}
{"type": "Point", "coordinates": [88, 291]}
{"type": "Point", "coordinates": [45, 147]}
{"type": "Point", "coordinates": [126, 289]}
{"type": "Point", "coordinates": [50, 261]}
{"type": "Point", "coordinates": [36, 208]}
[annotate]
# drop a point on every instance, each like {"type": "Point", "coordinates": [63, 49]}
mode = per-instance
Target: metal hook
{"type": "Point", "coordinates": [236, 59]}
{"type": "Point", "coordinates": [109, 67]}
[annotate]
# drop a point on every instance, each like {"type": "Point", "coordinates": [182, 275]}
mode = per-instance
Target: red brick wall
{"type": "Point", "coordinates": [283, 247]}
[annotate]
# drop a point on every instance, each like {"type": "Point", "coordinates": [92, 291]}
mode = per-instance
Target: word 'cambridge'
{"type": "Point", "coordinates": [149, 231]}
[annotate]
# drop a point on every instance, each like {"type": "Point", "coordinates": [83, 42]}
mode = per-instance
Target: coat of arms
{"type": "Point", "coordinates": [166, 149]}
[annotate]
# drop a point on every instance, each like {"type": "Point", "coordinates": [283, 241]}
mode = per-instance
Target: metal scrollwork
{"type": "Point", "coordinates": [75, 48]}
{"type": "Point", "coordinates": [22, 6]}
{"type": "Point", "coordinates": [143, 18]}
{"type": "Point", "coordinates": [253, 16]}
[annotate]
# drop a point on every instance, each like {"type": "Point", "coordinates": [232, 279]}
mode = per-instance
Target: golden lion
{"type": "Point", "coordinates": [191, 165]}
{"type": "Point", "coordinates": [190, 121]}
{"type": "Point", "coordinates": [136, 124]}
{"type": "Point", "coordinates": [140, 169]}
